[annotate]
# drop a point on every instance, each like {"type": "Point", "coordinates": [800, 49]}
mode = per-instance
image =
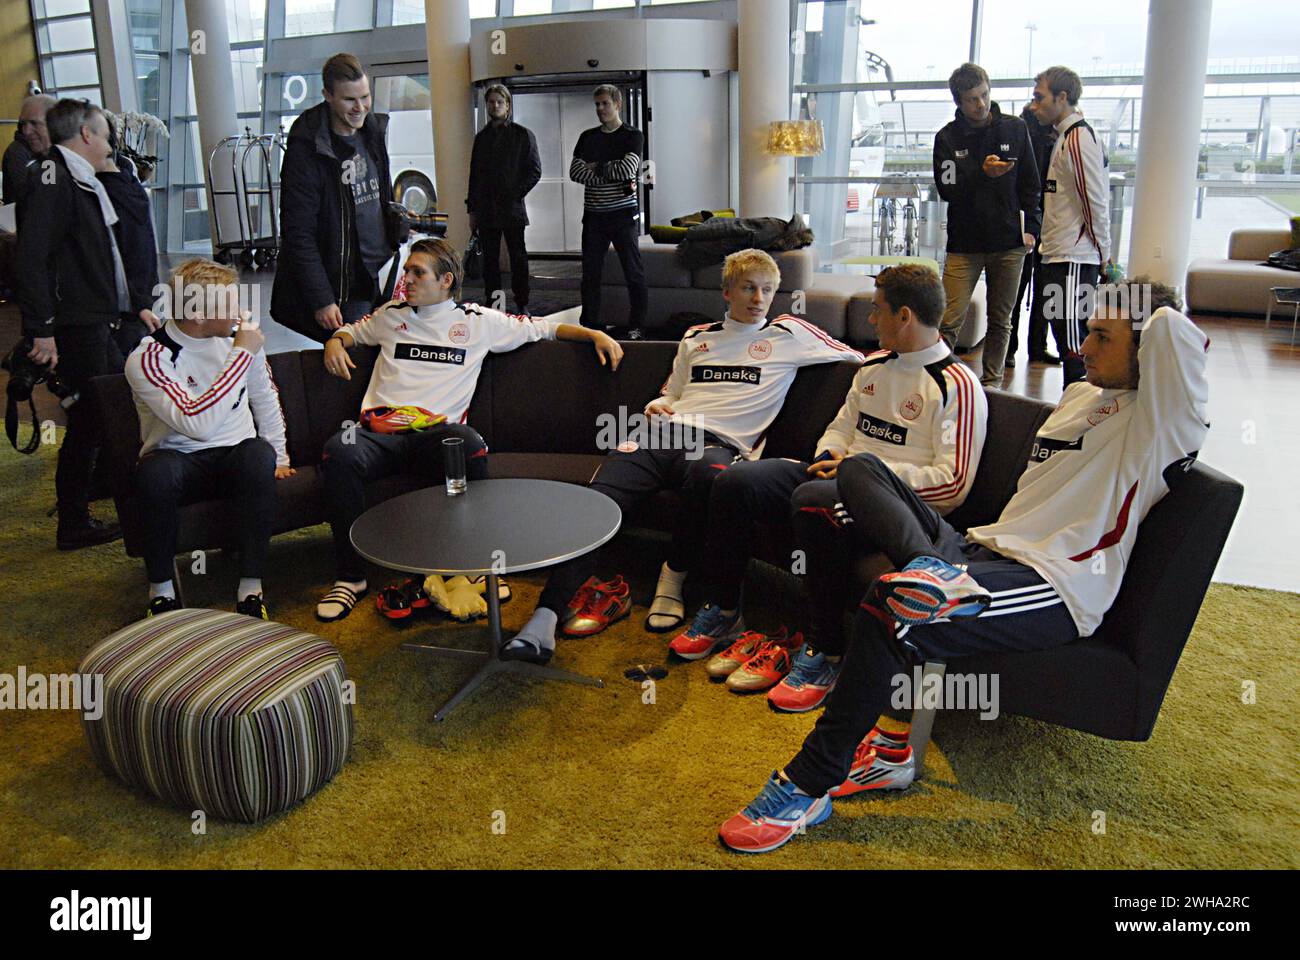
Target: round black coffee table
{"type": "Point", "coordinates": [495, 527]}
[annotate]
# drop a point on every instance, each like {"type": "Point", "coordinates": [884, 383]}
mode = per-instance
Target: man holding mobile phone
{"type": "Point", "coordinates": [984, 168]}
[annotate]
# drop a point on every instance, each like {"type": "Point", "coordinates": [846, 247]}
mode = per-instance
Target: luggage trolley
{"type": "Point", "coordinates": [257, 202]}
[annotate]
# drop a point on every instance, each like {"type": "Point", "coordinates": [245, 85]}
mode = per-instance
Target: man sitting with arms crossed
{"type": "Point", "coordinates": [431, 351]}
{"type": "Point", "coordinates": [915, 416]}
{"type": "Point", "coordinates": [1032, 580]}
{"type": "Point", "coordinates": [726, 387]}
{"type": "Point", "coordinates": [211, 425]}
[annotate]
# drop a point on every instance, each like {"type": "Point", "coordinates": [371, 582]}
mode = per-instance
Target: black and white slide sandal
{"type": "Point", "coordinates": [503, 588]}
{"type": "Point", "coordinates": [338, 603]}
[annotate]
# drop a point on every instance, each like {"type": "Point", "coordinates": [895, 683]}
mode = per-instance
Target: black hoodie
{"type": "Point", "coordinates": [134, 233]}
{"type": "Point", "coordinates": [984, 212]}
{"type": "Point", "coordinates": [316, 264]}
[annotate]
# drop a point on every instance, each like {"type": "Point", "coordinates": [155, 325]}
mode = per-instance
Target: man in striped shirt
{"type": "Point", "coordinates": [607, 162]}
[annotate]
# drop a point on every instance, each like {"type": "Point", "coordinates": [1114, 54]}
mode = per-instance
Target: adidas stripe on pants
{"type": "Point", "coordinates": [1026, 614]}
{"type": "Point", "coordinates": [1066, 291]}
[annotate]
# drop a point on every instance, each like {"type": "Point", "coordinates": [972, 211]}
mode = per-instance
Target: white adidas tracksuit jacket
{"type": "Point", "coordinates": [195, 394]}
{"type": "Point", "coordinates": [430, 356]}
{"type": "Point", "coordinates": [924, 414]}
{"type": "Point", "coordinates": [1076, 197]}
{"type": "Point", "coordinates": [730, 378]}
{"type": "Point", "coordinates": [1098, 465]}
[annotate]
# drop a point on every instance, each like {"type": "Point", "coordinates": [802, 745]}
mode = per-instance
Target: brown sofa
{"type": "Point", "coordinates": [538, 425]}
{"type": "Point", "coordinates": [1241, 283]}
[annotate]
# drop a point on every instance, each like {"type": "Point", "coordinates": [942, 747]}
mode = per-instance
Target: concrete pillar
{"type": "Point", "coordinates": [116, 66]}
{"type": "Point", "coordinates": [214, 96]}
{"type": "Point", "coordinates": [1173, 87]}
{"type": "Point", "coordinates": [446, 24]}
{"type": "Point", "coordinates": [763, 42]}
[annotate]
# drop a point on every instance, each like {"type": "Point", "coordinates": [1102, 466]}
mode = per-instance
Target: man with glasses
{"type": "Point", "coordinates": [1076, 216]}
{"type": "Point", "coordinates": [31, 143]}
{"type": "Point", "coordinates": [72, 290]}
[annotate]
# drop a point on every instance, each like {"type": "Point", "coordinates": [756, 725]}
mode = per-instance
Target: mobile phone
{"type": "Point", "coordinates": [1010, 160]}
{"type": "Point", "coordinates": [824, 455]}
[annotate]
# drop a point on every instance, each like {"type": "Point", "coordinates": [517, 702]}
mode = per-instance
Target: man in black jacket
{"type": "Point", "coordinates": [72, 290]}
{"type": "Point", "coordinates": [503, 167]}
{"type": "Point", "coordinates": [984, 167]}
{"type": "Point", "coordinates": [336, 230]}
{"type": "Point", "coordinates": [1042, 136]}
{"type": "Point", "coordinates": [31, 143]}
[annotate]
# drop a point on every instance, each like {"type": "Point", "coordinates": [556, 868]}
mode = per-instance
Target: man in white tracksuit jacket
{"type": "Point", "coordinates": [1043, 574]}
{"type": "Point", "coordinates": [1075, 242]}
{"type": "Point", "coordinates": [210, 426]}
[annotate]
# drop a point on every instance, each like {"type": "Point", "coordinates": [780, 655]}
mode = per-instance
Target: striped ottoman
{"type": "Point", "coordinates": [219, 712]}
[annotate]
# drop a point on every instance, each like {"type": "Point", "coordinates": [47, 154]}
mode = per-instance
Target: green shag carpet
{"type": "Point", "coordinates": [529, 774]}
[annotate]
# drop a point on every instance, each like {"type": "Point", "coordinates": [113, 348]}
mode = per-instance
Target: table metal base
{"type": "Point", "coordinates": [491, 658]}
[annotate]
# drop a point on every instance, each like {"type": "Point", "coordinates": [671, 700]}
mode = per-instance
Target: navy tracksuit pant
{"type": "Point", "coordinates": [1026, 614]}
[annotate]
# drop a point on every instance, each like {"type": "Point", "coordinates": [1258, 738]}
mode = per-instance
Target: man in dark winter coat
{"type": "Point", "coordinates": [984, 167]}
{"type": "Point", "coordinates": [1042, 136]}
{"type": "Point", "coordinates": [72, 291]}
{"type": "Point", "coordinates": [504, 166]}
{"type": "Point", "coordinates": [336, 229]}
{"type": "Point", "coordinates": [31, 143]}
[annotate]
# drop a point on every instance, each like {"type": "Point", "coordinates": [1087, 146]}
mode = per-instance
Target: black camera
{"type": "Point", "coordinates": [25, 374]}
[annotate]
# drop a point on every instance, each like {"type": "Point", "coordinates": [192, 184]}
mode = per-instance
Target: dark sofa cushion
{"type": "Point", "coordinates": [1012, 425]}
{"type": "Point", "coordinates": [331, 402]}
{"type": "Point", "coordinates": [286, 374]}
{"type": "Point", "coordinates": [814, 398]}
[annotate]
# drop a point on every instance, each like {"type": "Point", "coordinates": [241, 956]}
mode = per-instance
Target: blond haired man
{"type": "Point", "coordinates": [210, 426]}
{"type": "Point", "coordinates": [725, 388]}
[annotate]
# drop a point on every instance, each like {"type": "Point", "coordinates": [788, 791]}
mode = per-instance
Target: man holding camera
{"type": "Point", "coordinates": [72, 291]}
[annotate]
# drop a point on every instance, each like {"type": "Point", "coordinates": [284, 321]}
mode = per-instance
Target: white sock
{"type": "Point", "coordinates": [248, 586]}
{"type": "Point", "coordinates": [539, 631]}
{"type": "Point", "coordinates": [165, 589]}
{"type": "Point", "coordinates": [668, 608]}
{"type": "Point", "coordinates": [333, 608]}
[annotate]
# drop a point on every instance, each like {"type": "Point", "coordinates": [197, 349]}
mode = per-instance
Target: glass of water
{"type": "Point", "coordinates": [453, 464]}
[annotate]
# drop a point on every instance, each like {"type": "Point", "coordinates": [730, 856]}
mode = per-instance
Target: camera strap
{"type": "Point", "coordinates": [11, 426]}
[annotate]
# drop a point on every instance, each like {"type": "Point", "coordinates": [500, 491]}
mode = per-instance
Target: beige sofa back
{"type": "Point", "coordinates": [1256, 243]}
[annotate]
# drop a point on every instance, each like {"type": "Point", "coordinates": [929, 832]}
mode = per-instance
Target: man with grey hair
{"type": "Point", "coordinates": [31, 143]}
{"type": "Point", "coordinates": [72, 291]}
{"type": "Point", "coordinates": [503, 167]}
